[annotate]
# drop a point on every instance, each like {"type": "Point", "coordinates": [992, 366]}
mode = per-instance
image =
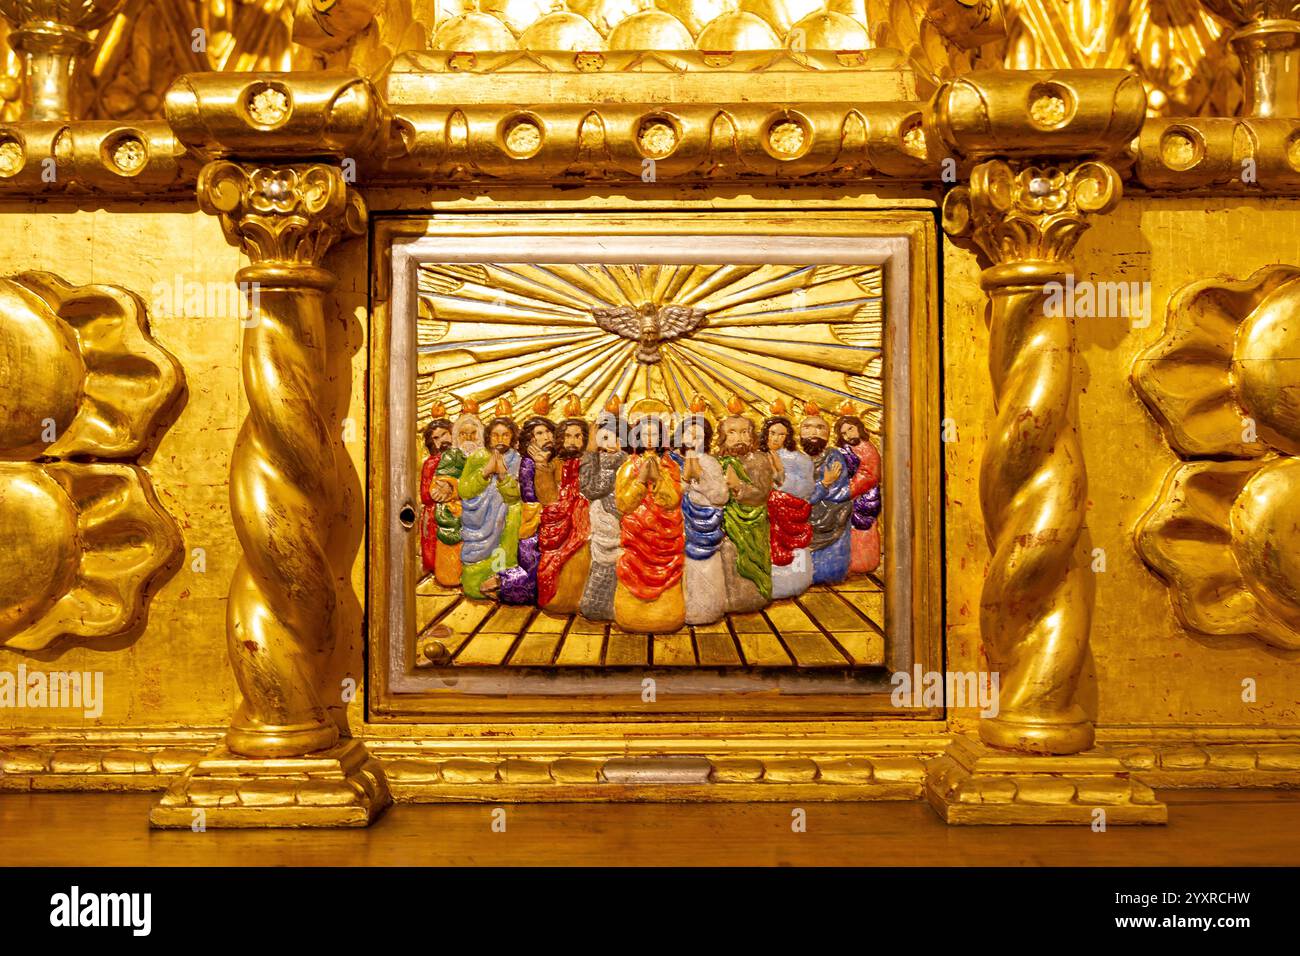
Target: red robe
{"type": "Point", "coordinates": [428, 526]}
{"type": "Point", "coordinates": [791, 530]}
{"type": "Point", "coordinates": [564, 530]}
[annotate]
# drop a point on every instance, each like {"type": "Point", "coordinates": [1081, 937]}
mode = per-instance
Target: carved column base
{"type": "Point", "coordinates": [340, 787]}
{"type": "Point", "coordinates": [972, 783]}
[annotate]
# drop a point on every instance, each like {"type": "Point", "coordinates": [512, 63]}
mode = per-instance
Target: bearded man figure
{"type": "Point", "coordinates": [565, 555]}
{"type": "Point", "coordinates": [863, 463]}
{"type": "Point", "coordinates": [467, 438]}
{"type": "Point", "coordinates": [789, 506]}
{"type": "Point", "coordinates": [490, 508]}
{"type": "Point", "coordinates": [746, 552]}
{"type": "Point", "coordinates": [536, 446]}
{"type": "Point", "coordinates": [596, 478]}
{"type": "Point", "coordinates": [832, 502]}
{"type": "Point", "coordinates": [437, 441]}
{"type": "Point", "coordinates": [705, 491]}
{"type": "Point", "coordinates": [648, 492]}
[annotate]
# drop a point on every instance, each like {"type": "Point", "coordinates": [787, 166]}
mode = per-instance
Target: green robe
{"type": "Point", "coordinates": [747, 527]}
{"type": "Point", "coordinates": [450, 465]}
{"type": "Point", "coordinates": [501, 553]}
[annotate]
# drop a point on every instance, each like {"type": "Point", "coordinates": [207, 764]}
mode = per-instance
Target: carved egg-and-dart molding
{"type": "Point", "coordinates": [84, 390]}
{"type": "Point", "coordinates": [1224, 383]}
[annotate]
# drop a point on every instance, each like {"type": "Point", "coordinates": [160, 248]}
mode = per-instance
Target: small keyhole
{"type": "Point", "coordinates": [407, 516]}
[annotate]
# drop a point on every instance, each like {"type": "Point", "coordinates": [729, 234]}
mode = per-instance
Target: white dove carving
{"type": "Point", "coordinates": [649, 325]}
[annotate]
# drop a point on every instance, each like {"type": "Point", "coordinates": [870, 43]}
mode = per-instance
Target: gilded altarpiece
{"type": "Point", "coordinates": [503, 479]}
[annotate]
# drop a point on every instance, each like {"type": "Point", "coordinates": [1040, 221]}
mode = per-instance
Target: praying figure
{"type": "Point", "coordinates": [467, 438]}
{"type": "Point", "coordinates": [648, 492]}
{"type": "Point", "coordinates": [704, 493]}
{"type": "Point", "coordinates": [832, 502]}
{"type": "Point", "coordinates": [746, 552]}
{"type": "Point", "coordinates": [789, 506]}
{"type": "Point", "coordinates": [437, 440]}
{"type": "Point", "coordinates": [596, 478]}
{"type": "Point", "coordinates": [863, 463]}
{"type": "Point", "coordinates": [565, 554]}
{"type": "Point", "coordinates": [490, 508]}
{"type": "Point", "coordinates": [536, 446]}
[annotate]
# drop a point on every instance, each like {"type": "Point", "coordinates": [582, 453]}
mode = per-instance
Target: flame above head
{"type": "Point", "coordinates": [736, 405]}
{"type": "Point", "coordinates": [470, 406]}
{"type": "Point", "coordinates": [543, 405]}
{"type": "Point", "coordinates": [504, 409]}
{"type": "Point", "coordinates": [811, 409]}
{"type": "Point", "coordinates": [573, 407]}
{"type": "Point", "coordinates": [614, 404]}
{"type": "Point", "coordinates": [847, 408]}
{"type": "Point", "coordinates": [778, 407]}
{"type": "Point", "coordinates": [437, 409]}
{"type": "Point", "coordinates": [698, 404]}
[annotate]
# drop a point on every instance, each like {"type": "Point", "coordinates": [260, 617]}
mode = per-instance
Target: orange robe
{"type": "Point", "coordinates": [649, 597]}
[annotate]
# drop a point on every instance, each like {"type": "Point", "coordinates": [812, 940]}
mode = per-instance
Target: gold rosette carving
{"type": "Point", "coordinates": [1222, 382]}
{"type": "Point", "coordinates": [86, 541]}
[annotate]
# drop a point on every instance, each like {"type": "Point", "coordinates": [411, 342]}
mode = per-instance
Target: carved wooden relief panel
{"type": "Point", "coordinates": [620, 453]}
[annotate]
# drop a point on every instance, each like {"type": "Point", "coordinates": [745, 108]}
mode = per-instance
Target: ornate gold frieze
{"type": "Point", "coordinates": [1221, 382]}
{"type": "Point", "coordinates": [1256, 156]}
{"type": "Point", "coordinates": [656, 117]}
{"type": "Point", "coordinates": [87, 539]}
{"type": "Point", "coordinates": [50, 158]}
{"type": "Point", "coordinates": [774, 775]}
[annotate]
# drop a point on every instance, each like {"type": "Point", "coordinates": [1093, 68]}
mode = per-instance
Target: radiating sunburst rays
{"type": "Point", "coordinates": [521, 330]}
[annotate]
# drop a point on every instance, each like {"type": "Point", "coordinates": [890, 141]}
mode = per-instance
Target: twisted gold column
{"type": "Point", "coordinates": [283, 494]}
{"type": "Point", "coordinates": [283, 486]}
{"type": "Point", "coordinates": [1035, 613]}
{"type": "Point", "coordinates": [282, 491]}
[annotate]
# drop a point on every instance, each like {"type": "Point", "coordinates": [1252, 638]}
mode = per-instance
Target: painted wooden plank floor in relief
{"type": "Point", "coordinates": [828, 627]}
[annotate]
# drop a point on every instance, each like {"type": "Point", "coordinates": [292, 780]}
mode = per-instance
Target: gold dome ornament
{"type": "Point", "coordinates": [737, 31]}
{"type": "Point", "coordinates": [474, 32]}
{"type": "Point", "coordinates": [1222, 382]}
{"type": "Point", "coordinates": [651, 30]}
{"type": "Point", "coordinates": [827, 30]}
{"type": "Point", "coordinates": [561, 30]}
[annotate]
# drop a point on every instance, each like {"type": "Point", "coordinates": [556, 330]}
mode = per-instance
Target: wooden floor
{"type": "Point", "coordinates": [1221, 828]}
{"type": "Point", "coordinates": [840, 626]}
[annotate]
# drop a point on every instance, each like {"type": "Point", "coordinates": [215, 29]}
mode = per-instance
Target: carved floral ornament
{"type": "Point", "coordinates": [85, 536]}
{"type": "Point", "coordinates": [1033, 213]}
{"type": "Point", "coordinates": [281, 214]}
{"type": "Point", "coordinates": [1222, 382]}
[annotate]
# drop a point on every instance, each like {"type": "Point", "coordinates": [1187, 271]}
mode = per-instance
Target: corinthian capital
{"type": "Point", "coordinates": [282, 215]}
{"type": "Point", "coordinates": [1022, 212]}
